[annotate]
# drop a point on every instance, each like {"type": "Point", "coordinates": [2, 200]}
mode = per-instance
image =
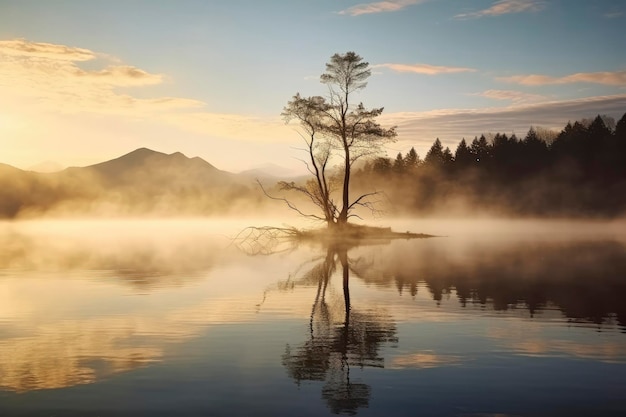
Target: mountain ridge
{"type": "Point", "coordinates": [145, 164]}
{"type": "Point", "coordinates": [140, 181]}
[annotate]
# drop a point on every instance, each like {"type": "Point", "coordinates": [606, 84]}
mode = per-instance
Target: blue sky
{"type": "Point", "coordinates": [85, 81]}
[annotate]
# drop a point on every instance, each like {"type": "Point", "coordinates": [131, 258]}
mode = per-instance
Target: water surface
{"type": "Point", "coordinates": [161, 318]}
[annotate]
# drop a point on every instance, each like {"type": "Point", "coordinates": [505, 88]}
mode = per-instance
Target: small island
{"type": "Point", "coordinates": [353, 232]}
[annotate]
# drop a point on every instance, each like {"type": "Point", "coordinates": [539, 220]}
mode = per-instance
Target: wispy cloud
{"type": "Point", "coordinates": [423, 68]}
{"type": "Point", "coordinates": [617, 78]}
{"type": "Point", "coordinates": [614, 15]}
{"type": "Point", "coordinates": [379, 7]}
{"type": "Point", "coordinates": [49, 73]}
{"type": "Point", "coordinates": [24, 48]}
{"type": "Point", "coordinates": [505, 7]}
{"type": "Point", "coordinates": [514, 96]}
{"type": "Point", "coordinates": [120, 76]}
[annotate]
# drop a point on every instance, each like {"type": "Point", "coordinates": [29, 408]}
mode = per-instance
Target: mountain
{"type": "Point", "coordinates": [140, 182]}
{"type": "Point", "coordinates": [145, 167]}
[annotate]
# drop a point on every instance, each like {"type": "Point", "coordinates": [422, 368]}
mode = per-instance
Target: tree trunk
{"type": "Point", "coordinates": [343, 216]}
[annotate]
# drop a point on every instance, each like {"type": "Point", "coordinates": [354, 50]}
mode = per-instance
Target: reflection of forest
{"type": "Point", "coordinates": [337, 342]}
{"type": "Point", "coordinates": [585, 280]}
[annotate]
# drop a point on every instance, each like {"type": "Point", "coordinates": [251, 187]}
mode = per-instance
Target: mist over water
{"type": "Point", "coordinates": [98, 315]}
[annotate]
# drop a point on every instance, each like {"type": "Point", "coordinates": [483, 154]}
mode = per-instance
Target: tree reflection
{"type": "Point", "coordinates": [338, 341]}
{"type": "Point", "coordinates": [584, 280]}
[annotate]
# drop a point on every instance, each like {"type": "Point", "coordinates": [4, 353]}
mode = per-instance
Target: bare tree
{"type": "Point", "coordinates": [310, 113]}
{"type": "Point", "coordinates": [333, 125]}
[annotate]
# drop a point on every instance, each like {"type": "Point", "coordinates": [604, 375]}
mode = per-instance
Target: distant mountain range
{"type": "Point", "coordinates": [140, 182]}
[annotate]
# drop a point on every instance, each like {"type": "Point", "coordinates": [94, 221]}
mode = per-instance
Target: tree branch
{"type": "Point", "coordinates": [289, 204]}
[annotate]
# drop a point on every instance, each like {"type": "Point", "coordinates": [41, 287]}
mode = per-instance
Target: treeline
{"type": "Point", "coordinates": [579, 171]}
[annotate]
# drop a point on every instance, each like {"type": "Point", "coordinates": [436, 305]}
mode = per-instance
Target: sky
{"type": "Point", "coordinates": [82, 82]}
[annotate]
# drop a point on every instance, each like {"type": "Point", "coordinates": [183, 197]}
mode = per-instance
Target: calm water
{"type": "Point", "coordinates": [168, 318]}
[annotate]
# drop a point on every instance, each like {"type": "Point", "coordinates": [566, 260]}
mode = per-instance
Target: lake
{"type": "Point", "coordinates": [173, 318]}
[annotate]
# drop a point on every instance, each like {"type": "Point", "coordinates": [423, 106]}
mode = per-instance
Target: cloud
{"type": "Point", "coordinates": [613, 15]}
{"type": "Point", "coordinates": [24, 48]}
{"type": "Point", "coordinates": [423, 68]}
{"type": "Point", "coordinates": [505, 7]}
{"type": "Point", "coordinates": [48, 74]}
{"type": "Point", "coordinates": [617, 78]}
{"type": "Point", "coordinates": [420, 129]}
{"type": "Point", "coordinates": [120, 76]}
{"type": "Point", "coordinates": [379, 7]}
{"type": "Point", "coordinates": [515, 96]}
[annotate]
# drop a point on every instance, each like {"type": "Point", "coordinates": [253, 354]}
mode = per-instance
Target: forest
{"type": "Point", "coordinates": [580, 171]}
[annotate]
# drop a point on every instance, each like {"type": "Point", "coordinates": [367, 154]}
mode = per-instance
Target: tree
{"type": "Point", "coordinates": [601, 149]}
{"type": "Point", "coordinates": [620, 143]}
{"type": "Point", "coordinates": [353, 128]}
{"type": "Point", "coordinates": [435, 156]}
{"type": "Point", "coordinates": [480, 150]}
{"type": "Point", "coordinates": [570, 142]}
{"type": "Point", "coordinates": [334, 125]}
{"type": "Point", "coordinates": [463, 157]}
{"type": "Point", "coordinates": [534, 153]}
{"type": "Point", "coordinates": [598, 132]}
{"type": "Point", "coordinates": [398, 164]}
{"type": "Point", "coordinates": [620, 129]}
{"type": "Point", "coordinates": [411, 160]}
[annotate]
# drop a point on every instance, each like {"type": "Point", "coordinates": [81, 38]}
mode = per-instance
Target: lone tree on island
{"type": "Point", "coordinates": [334, 126]}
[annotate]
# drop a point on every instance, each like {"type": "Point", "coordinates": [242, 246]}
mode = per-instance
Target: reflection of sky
{"type": "Point", "coordinates": [226, 322]}
{"type": "Point", "coordinates": [424, 359]}
{"type": "Point", "coordinates": [55, 350]}
{"type": "Point", "coordinates": [77, 307]}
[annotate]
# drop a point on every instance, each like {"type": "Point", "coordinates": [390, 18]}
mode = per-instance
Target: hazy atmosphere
{"type": "Point", "coordinates": [309, 208]}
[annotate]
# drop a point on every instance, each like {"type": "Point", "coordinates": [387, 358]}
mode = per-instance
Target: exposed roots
{"type": "Point", "coordinates": [266, 240]}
